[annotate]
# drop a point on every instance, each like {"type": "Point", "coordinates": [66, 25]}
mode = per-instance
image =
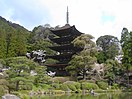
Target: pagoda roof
{"type": "Point", "coordinates": [56, 65]}
{"type": "Point", "coordinates": [62, 39]}
{"type": "Point", "coordinates": [61, 56]}
{"type": "Point", "coordinates": [66, 30]}
{"type": "Point", "coordinates": [65, 47]}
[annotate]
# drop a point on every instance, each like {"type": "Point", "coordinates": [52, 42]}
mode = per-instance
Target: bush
{"type": "Point", "coordinates": [56, 86]}
{"type": "Point", "coordinates": [45, 86]}
{"type": "Point", "coordinates": [88, 86]}
{"type": "Point", "coordinates": [64, 87]}
{"type": "Point", "coordinates": [59, 79]}
{"type": "Point", "coordinates": [102, 85]}
{"type": "Point", "coordinates": [26, 87]}
{"type": "Point", "coordinates": [2, 90]}
{"type": "Point", "coordinates": [4, 82]}
{"type": "Point", "coordinates": [115, 86]}
{"type": "Point", "coordinates": [77, 85]}
{"type": "Point", "coordinates": [72, 85]}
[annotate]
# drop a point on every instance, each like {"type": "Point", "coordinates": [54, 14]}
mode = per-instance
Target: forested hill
{"type": "Point", "coordinates": [4, 22]}
{"type": "Point", "coordinates": [13, 39]}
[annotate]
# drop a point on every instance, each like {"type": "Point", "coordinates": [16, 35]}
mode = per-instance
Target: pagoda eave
{"type": "Point", "coordinates": [64, 31]}
{"type": "Point", "coordinates": [61, 56]}
{"type": "Point", "coordinates": [56, 65]}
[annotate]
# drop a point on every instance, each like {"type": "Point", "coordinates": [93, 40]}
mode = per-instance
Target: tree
{"type": "Point", "coordinates": [11, 42]}
{"type": "Point", "coordinates": [21, 42]}
{"type": "Point", "coordinates": [108, 47]}
{"type": "Point", "coordinates": [113, 71]}
{"type": "Point", "coordinates": [126, 43]}
{"type": "Point", "coordinates": [41, 77]}
{"type": "Point", "coordinates": [83, 62]}
{"type": "Point", "coordinates": [19, 71]}
{"type": "Point", "coordinates": [2, 43]}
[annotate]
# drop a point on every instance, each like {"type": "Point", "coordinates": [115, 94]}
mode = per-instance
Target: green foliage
{"type": "Point", "coordinates": [39, 39]}
{"type": "Point", "coordinates": [70, 85]}
{"type": "Point", "coordinates": [41, 77]}
{"type": "Point", "coordinates": [13, 39]}
{"type": "Point", "coordinates": [109, 47]}
{"type": "Point", "coordinates": [59, 79]}
{"type": "Point", "coordinates": [3, 86]}
{"type": "Point", "coordinates": [49, 61]}
{"type": "Point", "coordinates": [89, 86]}
{"type": "Point", "coordinates": [77, 85]}
{"type": "Point", "coordinates": [102, 85]}
{"type": "Point", "coordinates": [64, 87]}
{"type": "Point", "coordinates": [113, 69]}
{"type": "Point", "coordinates": [126, 43]}
{"type": "Point", "coordinates": [2, 43]}
{"type": "Point", "coordinates": [27, 86]}
{"type": "Point", "coordinates": [84, 60]}
{"type": "Point", "coordinates": [56, 86]}
{"type": "Point", "coordinates": [101, 57]}
{"type": "Point", "coordinates": [2, 90]}
{"type": "Point", "coordinates": [82, 40]}
{"type": "Point", "coordinates": [19, 71]}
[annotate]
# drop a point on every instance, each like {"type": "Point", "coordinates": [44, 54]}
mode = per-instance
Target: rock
{"type": "Point", "coordinates": [10, 96]}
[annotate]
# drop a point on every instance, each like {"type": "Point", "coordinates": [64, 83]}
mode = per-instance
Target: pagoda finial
{"type": "Point", "coordinates": [67, 16]}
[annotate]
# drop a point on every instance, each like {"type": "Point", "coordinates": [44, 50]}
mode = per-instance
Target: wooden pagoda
{"type": "Point", "coordinates": [64, 48]}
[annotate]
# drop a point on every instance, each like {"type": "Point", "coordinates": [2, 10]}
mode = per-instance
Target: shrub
{"type": "Point", "coordinates": [77, 85]}
{"type": "Point", "coordinates": [56, 86]}
{"type": "Point", "coordinates": [72, 85]}
{"type": "Point", "coordinates": [4, 82]}
{"type": "Point", "coordinates": [26, 86]}
{"type": "Point", "coordinates": [115, 86]}
{"type": "Point", "coordinates": [64, 87]}
{"type": "Point", "coordinates": [2, 90]}
{"type": "Point", "coordinates": [59, 79]}
{"type": "Point", "coordinates": [45, 86]}
{"type": "Point", "coordinates": [88, 86]}
{"type": "Point", "coordinates": [102, 85]}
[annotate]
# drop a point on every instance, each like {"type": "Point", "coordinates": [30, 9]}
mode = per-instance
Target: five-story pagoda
{"type": "Point", "coordinates": [64, 47]}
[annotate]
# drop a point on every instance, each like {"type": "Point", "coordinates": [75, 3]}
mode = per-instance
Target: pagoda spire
{"type": "Point", "coordinates": [67, 16]}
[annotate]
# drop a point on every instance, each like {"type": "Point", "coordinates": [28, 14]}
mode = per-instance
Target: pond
{"type": "Point", "coordinates": [88, 96]}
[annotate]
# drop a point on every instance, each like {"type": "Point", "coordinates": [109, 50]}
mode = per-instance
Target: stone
{"type": "Point", "coordinates": [10, 96]}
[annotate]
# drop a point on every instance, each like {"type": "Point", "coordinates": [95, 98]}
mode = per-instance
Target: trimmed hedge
{"type": "Point", "coordinates": [88, 86]}
{"type": "Point", "coordinates": [102, 85]}
{"type": "Point", "coordinates": [64, 87]}
{"type": "Point", "coordinates": [56, 86]}
{"type": "Point", "coordinates": [71, 85]}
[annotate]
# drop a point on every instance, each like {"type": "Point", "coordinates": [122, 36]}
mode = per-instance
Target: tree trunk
{"type": "Point", "coordinates": [84, 75]}
{"type": "Point", "coordinates": [128, 78]}
{"type": "Point", "coordinates": [17, 85]}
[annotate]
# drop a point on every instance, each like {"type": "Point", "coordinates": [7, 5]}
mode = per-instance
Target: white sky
{"type": "Point", "coordinates": [95, 17]}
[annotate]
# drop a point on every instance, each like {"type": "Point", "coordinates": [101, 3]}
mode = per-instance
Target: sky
{"type": "Point", "coordinates": [95, 17]}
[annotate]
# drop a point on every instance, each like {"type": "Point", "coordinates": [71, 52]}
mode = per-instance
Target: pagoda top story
{"type": "Point", "coordinates": [66, 30]}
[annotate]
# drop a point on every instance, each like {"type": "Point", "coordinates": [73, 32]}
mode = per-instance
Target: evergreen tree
{"type": "Point", "coordinates": [20, 43]}
{"type": "Point", "coordinates": [19, 72]}
{"type": "Point", "coordinates": [126, 43]}
{"type": "Point", "coordinates": [11, 42]}
{"type": "Point", "coordinates": [83, 62]}
{"type": "Point", "coordinates": [108, 46]}
{"type": "Point", "coordinates": [2, 43]}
